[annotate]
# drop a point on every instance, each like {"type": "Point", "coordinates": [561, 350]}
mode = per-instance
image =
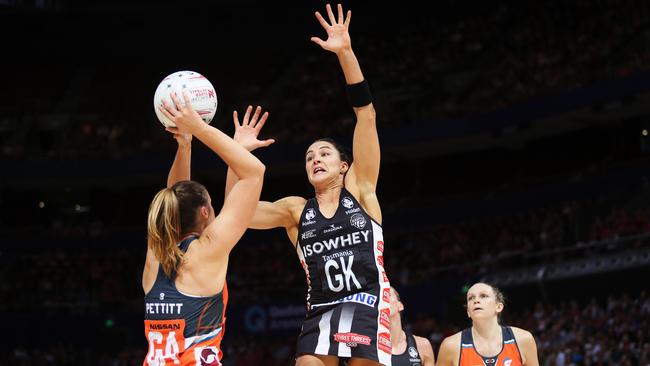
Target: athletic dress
{"type": "Point", "coordinates": [348, 292]}
{"type": "Point", "coordinates": [509, 355]}
{"type": "Point", "coordinates": [182, 329]}
{"type": "Point", "coordinates": [411, 356]}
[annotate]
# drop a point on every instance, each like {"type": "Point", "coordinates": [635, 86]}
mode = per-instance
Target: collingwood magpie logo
{"type": "Point", "coordinates": [347, 202]}
{"type": "Point", "coordinates": [309, 215]}
{"type": "Point", "coordinates": [162, 296]}
{"type": "Point", "coordinates": [358, 221]}
{"type": "Point", "coordinates": [413, 352]}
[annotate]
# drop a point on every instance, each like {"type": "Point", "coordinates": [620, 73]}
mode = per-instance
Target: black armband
{"type": "Point", "coordinates": [359, 94]}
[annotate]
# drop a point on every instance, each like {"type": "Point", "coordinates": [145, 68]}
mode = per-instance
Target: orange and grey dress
{"type": "Point", "coordinates": [508, 356]}
{"type": "Point", "coordinates": [182, 329]}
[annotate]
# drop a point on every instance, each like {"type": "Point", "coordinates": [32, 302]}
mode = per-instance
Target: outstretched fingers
{"type": "Point", "coordinates": [235, 119]}
{"type": "Point", "coordinates": [268, 142]}
{"type": "Point", "coordinates": [256, 116]}
{"type": "Point", "coordinates": [321, 20]}
{"type": "Point", "coordinates": [318, 41]}
{"type": "Point", "coordinates": [330, 14]}
{"type": "Point", "coordinates": [340, 9]}
{"type": "Point", "coordinates": [262, 121]}
{"type": "Point", "coordinates": [247, 115]}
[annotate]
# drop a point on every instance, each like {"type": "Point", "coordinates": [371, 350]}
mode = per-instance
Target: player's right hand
{"type": "Point", "coordinates": [247, 131]}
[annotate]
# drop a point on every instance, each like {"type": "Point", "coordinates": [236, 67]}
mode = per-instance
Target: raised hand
{"type": "Point", "coordinates": [247, 131]}
{"type": "Point", "coordinates": [184, 116]}
{"type": "Point", "coordinates": [338, 38]}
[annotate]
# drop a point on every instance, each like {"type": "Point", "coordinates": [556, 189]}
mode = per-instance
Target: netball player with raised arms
{"type": "Point", "coordinates": [184, 277]}
{"type": "Point", "coordinates": [487, 342]}
{"type": "Point", "coordinates": [337, 234]}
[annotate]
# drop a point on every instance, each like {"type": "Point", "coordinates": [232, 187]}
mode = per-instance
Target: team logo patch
{"type": "Point", "coordinates": [384, 317]}
{"type": "Point", "coordinates": [358, 221]}
{"type": "Point", "coordinates": [352, 339]}
{"type": "Point", "coordinates": [386, 295]}
{"type": "Point", "coordinates": [162, 296]}
{"type": "Point", "coordinates": [347, 202]}
{"type": "Point", "coordinates": [413, 352]}
{"type": "Point", "coordinates": [507, 362]}
{"type": "Point", "coordinates": [207, 356]}
{"type": "Point", "coordinates": [310, 214]}
{"type": "Point", "coordinates": [383, 342]}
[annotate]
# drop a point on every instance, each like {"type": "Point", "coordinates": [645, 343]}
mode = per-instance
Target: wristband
{"type": "Point", "coordinates": [359, 94]}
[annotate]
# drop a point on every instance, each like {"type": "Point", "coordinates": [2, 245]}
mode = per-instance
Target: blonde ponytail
{"type": "Point", "coordinates": [164, 230]}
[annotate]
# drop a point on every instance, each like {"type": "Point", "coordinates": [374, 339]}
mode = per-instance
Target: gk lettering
{"type": "Point", "coordinates": [346, 268]}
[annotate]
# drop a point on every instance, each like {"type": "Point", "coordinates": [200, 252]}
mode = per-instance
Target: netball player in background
{"type": "Point", "coordinates": [408, 349]}
{"type": "Point", "coordinates": [337, 234]}
{"type": "Point", "coordinates": [184, 277]}
{"type": "Point", "coordinates": [487, 342]}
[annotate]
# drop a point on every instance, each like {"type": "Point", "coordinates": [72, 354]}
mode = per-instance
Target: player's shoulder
{"type": "Point", "coordinates": [421, 340]}
{"type": "Point", "coordinates": [422, 343]}
{"type": "Point", "coordinates": [452, 341]}
{"type": "Point", "coordinates": [449, 352]}
{"type": "Point", "coordinates": [292, 206]}
{"type": "Point", "coordinates": [522, 335]}
{"type": "Point", "coordinates": [292, 202]}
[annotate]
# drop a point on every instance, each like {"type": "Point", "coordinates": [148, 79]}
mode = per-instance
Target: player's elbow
{"type": "Point", "coordinates": [256, 173]}
{"type": "Point", "coordinates": [366, 112]}
{"type": "Point", "coordinates": [259, 169]}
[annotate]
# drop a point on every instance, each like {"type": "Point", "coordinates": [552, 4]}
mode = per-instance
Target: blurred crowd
{"type": "Point", "coordinates": [473, 61]}
{"type": "Point", "coordinates": [515, 240]}
{"type": "Point", "coordinates": [612, 332]}
{"type": "Point", "coordinates": [453, 63]}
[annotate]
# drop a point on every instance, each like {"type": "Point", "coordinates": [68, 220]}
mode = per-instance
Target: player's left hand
{"type": "Point", "coordinates": [338, 37]}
